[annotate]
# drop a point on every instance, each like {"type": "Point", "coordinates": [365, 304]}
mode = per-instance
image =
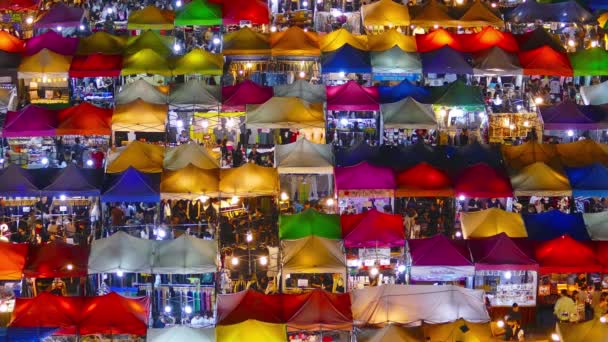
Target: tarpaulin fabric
{"type": "Point", "coordinates": [589, 62]}
{"type": "Point", "coordinates": [13, 260]}
{"type": "Point", "coordinates": [566, 255]}
{"type": "Point", "coordinates": [434, 14]}
{"type": "Point", "coordinates": [569, 115]}
{"type": "Point", "coordinates": [186, 255]}
{"type": "Point", "coordinates": [199, 62]}
{"type": "Point", "coordinates": [249, 180]}
{"type": "Point", "coordinates": [582, 153]}
{"type": "Point", "coordinates": [190, 182]}
{"type": "Point", "coordinates": [545, 61]}
{"type": "Point", "coordinates": [162, 45]}
{"type": "Point", "coordinates": [597, 4]}
{"type": "Point", "coordinates": [17, 182]}
{"type": "Point", "coordinates": [320, 311]}
{"type": "Point", "coordinates": [538, 38]}
{"type": "Point", "coordinates": [26, 334]}
{"type": "Point", "coordinates": [458, 93]}
{"type": "Point", "coordinates": [528, 12]}
{"type": "Point", "coordinates": [596, 94]}
{"type": "Point", "coordinates": [18, 5]}
{"type": "Point", "coordinates": [568, 12]}
{"type": "Point", "coordinates": [247, 305]}
{"type": "Point", "coordinates": [199, 13]}
{"type": "Point", "coordinates": [438, 39]}
{"type": "Point", "coordinates": [140, 116]}
{"type": "Point", "coordinates": [74, 181]}
{"type": "Point", "coordinates": [56, 260]}
{"type": "Point", "coordinates": [60, 15]}
{"type": "Point", "coordinates": [481, 180]}
{"type": "Point", "coordinates": [478, 15]}
{"type": "Point", "coordinates": [391, 333]}
{"type": "Point", "coordinates": [454, 331]}
{"type": "Point", "coordinates": [490, 222]}
{"type": "Point", "coordinates": [304, 157]}
{"type": "Point", "coordinates": [424, 180]}
{"type": "Point", "coordinates": [84, 119]}
{"type": "Point", "coordinates": [405, 304]}
{"type": "Point", "coordinates": [254, 11]}
{"type": "Point", "coordinates": [101, 42]}
{"type": "Point", "coordinates": [96, 65]}
{"type": "Point", "coordinates": [408, 114]}
{"type": "Point", "coordinates": [141, 156]}
{"type": "Point", "coordinates": [352, 96]}
{"type": "Point", "coordinates": [553, 224]}
{"type": "Point", "coordinates": [181, 333]}
{"type": "Point", "coordinates": [31, 121]}
{"type": "Point", "coordinates": [488, 38]}
{"type": "Point", "coordinates": [346, 59]}
{"type": "Point", "coordinates": [313, 254]}
{"type": "Point", "coordinates": [313, 93]}
{"type": "Point", "coordinates": [496, 61]}
{"type": "Point", "coordinates": [356, 154]}
{"type": "Point", "coordinates": [140, 89]}
{"type": "Point", "coordinates": [51, 41]}
{"type": "Point", "coordinates": [404, 157]}
{"type": "Point", "coordinates": [385, 13]}
{"type": "Point", "coordinates": [45, 63]}
{"type": "Point", "coordinates": [10, 43]}
{"type": "Point", "coordinates": [181, 156]}
{"type": "Point", "coordinates": [601, 250]}
{"type": "Point", "coordinates": [132, 186]}
{"type": "Point", "coordinates": [246, 42]}
{"type": "Point", "coordinates": [357, 177]}
{"type": "Point", "coordinates": [195, 95]}
{"type": "Point", "coordinates": [251, 331]}
{"type": "Point", "coordinates": [338, 38]}
{"type": "Point", "coordinates": [48, 311]}
{"type": "Point", "coordinates": [236, 97]}
{"type": "Point", "coordinates": [589, 181]}
{"type": "Point", "coordinates": [593, 330]}
{"type": "Point", "coordinates": [499, 252]}
{"type": "Point", "coordinates": [439, 259]}
{"type": "Point", "coordinates": [390, 39]}
{"type": "Point", "coordinates": [372, 229]}
{"type": "Point", "coordinates": [464, 156]}
{"type": "Point", "coordinates": [517, 157]}
{"type": "Point", "coordinates": [151, 18]}
{"type": "Point", "coordinates": [307, 223]}
{"type": "Point", "coordinates": [285, 112]}
{"type": "Point", "coordinates": [446, 60]}
{"type": "Point", "coordinates": [294, 42]}
{"type": "Point", "coordinates": [390, 94]}
{"type": "Point", "coordinates": [539, 179]}
{"type": "Point", "coordinates": [121, 252]}
{"type": "Point", "coordinates": [597, 225]}
{"type": "Point", "coordinates": [146, 61]}
{"type": "Point", "coordinates": [395, 61]}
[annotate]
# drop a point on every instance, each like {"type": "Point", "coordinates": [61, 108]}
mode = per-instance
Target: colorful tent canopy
{"type": "Point", "coordinates": [389, 94]}
{"type": "Point", "coordinates": [60, 15]}
{"type": "Point", "coordinates": [493, 221]}
{"type": "Point", "coordinates": [52, 41]}
{"type": "Point", "coordinates": [199, 62]}
{"type": "Point", "coordinates": [10, 43]}
{"type": "Point", "coordinates": [539, 38]}
{"type": "Point", "coordinates": [568, 12]}
{"type": "Point", "coordinates": [589, 62]}
{"type": "Point", "coordinates": [338, 38]}
{"type": "Point", "coordinates": [101, 42]}
{"type": "Point", "coordinates": [545, 61]}
{"type": "Point", "coordinates": [499, 252]}
{"type": "Point", "coordinates": [294, 42]}
{"type": "Point", "coordinates": [246, 42]}
{"type": "Point", "coordinates": [356, 154]}
{"type": "Point", "coordinates": [84, 119]}
{"type": "Point", "coordinates": [56, 260]}
{"type": "Point", "coordinates": [18, 5]}
{"type": "Point", "coordinates": [454, 331]}
{"type": "Point", "coordinates": [313, 254]}
{"type": "Point", "coordinates": [446, 60]}
{"type": "Point", "coordinates": [199, 13]}
{"type": "Point", "coordinates": [519, 156]}
{"type": "Point", "coordinates": [424, 180]}
{"type": "Point", "coordinates": [179, 333]}
{"type": "Point", "coordinates": [539, 179]}
{"type": "Point", "coordinates": [141, 156]}
{"type": "Point", "coordinates": [479, 15]}
{"type": "Point", "coordinates": [474, 153]}
{"type": "Point", "coordinates": [304, 157]}
{"type": "Point", "coordinates": [390, 39]}
{"type": "Point", "coordinates": [96, 65]}
{"type": "Point", "coordinates": [582, 153]}
{"type": "Point", "coordinates": [181, 156]}
{"type": "Point", "coordinates": [391, 333]}
{"type": "Point", "coordinates": [601, 250]}
{"type": "Point", "coordinates": [433, 14]}
{"type": "Point", "coordinates": [395, 61]}
{"type": "Point", "coordinates": [481, 180]}
{"type": "Point", "coordinates": [13, 260]}
{"type": "Point", "coordinates": [45, 63]}
{"type": "Point", "coordinates": [569, 115]}
{"type": "Point", "coordinates": [372, 229]}
{"type": "Point", "coordinates": [405, 304]}
{"type": "Point", "coordinates": [313, 93]}
{"type": "Point", "coordinates": [597, 225]}
{"type": "Point", "coordinates": [408, 114]}
{"type": "Point", "coordinates": [496, 61]}
{"type": "Point", "coordinates": [285, 112]}
{"type": "Point", "coordinates": [593, 330]}
{"type": "Point", "coordinates": [346, 59]}
{"type": "Point", "coordinates": [438, 39]}
{"type": "Point", "coordinates": [590, 181]}
{"type": "Point", "coordinates": [31, 121]}
{"type": "Point", "coordinates": [255, 12]}
{"type": "Point", "coordinates": [162, 45]}
{"type": "Point", "coordinates": [528, 12]}
{"type": "Point", "coordinates": [385, 13]}
{"type": "Point", "coordinates": [194, 95]}
{"type": "Point", "coordinates": [146, 61]}
{"type": "Point", "coordinates": [458, 93]}
{"type": "Point", "coordinates": [553, 224]}
{"type": "Point", "coordinates": [151, 18]}
{"type": "Point", "coordinates": [352, 96]}
{"type": "Point", "coordinates": [132, 186]}
{"type": "Point", "coordinates": [488, 38]}
{"type": "Point", "coordinates": [17, 182]}
{"type": "Point", "coordinates": [190, 182]}
{"type": "Point", "coordinates": [140, 89]}
{"type": "Point", "coordinates": [236, 97]}
{"type": "Point", "coordinates": [596, 94]}
{"type": "Point", "coordinates": [321, 311]}
{"type": "Point", "coordinates": [73, 181]}
{"type": "Point", "coordinates": [251, 330]}
{"type": "Point", "coordinates": [121, 252]}
{"type": "Point", "coordinates": [247, 305]}
{"type": "Point", "coordinates": [186, 255]}
{"type": "Point", "coordinates": [307, 223]}
{"type": "Point", "coordinates": [439, 259]}
{"type": "Point", "coordinates": [566, 255]}
{"type": "Point", "coordinates": [249, 180]}
{"type": "Point", "coordinates": [140, 116]}
{"type": "Point", "coordinates": [350, 179]}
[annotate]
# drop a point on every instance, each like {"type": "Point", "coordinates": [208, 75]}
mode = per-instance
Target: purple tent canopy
{"type": "Point", "coordinates": [31, 121]}
{"type": "Point", "coordinates": [439, 259]}
{"type": "Point", "coordinates": [73, 181]}
{"type": "Point", "coordinates": [15, 181]}
{"type": "Point", "coordinates": [500, 252]}
{"type": "Point", "coordinates": [447, 60]}
{"type": "Point", "coordinates": [364, 176]}
{"type": "Point", "coordinates": [60, 15]}
{"type": "Point", "coordinates": [569, 115]}
{"type": "Point", "coordinates": [52, 41]}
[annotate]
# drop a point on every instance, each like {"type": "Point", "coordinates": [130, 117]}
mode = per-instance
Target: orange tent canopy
{"type": "Point", "coordinates": [545, 61]}
{"type": "Point", "coordinates": [437, 39]}
{"type": "Point", "coordinates": [10, 43]}
{"type": "Point", "coordinates": [85, 119]}
{"type": "Point", "coordinates": [13, 260]}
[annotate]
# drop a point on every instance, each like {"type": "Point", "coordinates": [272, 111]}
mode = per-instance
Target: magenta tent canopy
{"type": "Point", "coordinates": [352, 96]}
{"type": "Point", "coordinates": [60, 15]}
{"type": "Point", "coordinates": [31, 121]}
{"type": "Point", "coordinates": [364, 178]}
{"type": "Point", "coordinates": [52, 41]}
{"type": "Point", "coordinates": [236, 97]}
{"type": "Point", "coordinates": [500, 252]}
{"type": "Point", "coordinates": [440, 259]}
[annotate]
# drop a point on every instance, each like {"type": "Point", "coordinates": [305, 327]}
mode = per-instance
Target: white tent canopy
{"type": "Point", "coordinates": [595, 94]}
{"type": "Point", "coordinates": [140, 89]}
{"type": "Point", "coordinates": [195, 95]}
{"type": "Point", "coordinates": [313, 93]}
{"type": "Point", "coordinates": [180, 333]}
{"type": "Point", "coordinates": [179, 157]}
{"type": "Point", "coordinates": [597, 225]}
{"type": "Point", "coordinates": [304, 157]}
{"type": "Point", "coordinates": [408, 113]}
{"type": "Point", "coordinates": [411, 304]}
{"type": "Point", "coordinates": [121, 252]}
{"type": "Point", "coordinates": [186, 255]}
{"type": "Point", "coordinates": [285, 112]}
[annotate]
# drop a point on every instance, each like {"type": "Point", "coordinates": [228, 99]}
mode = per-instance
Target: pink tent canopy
{"type": "Point", "coordinates": [439, 259]}
{"type": "Point", "coordinates": [372, 229]}
{"type": "Point", "coordinates": [52, 41]}
{"type": "Point", "coordinates": [31, 121]}
{"type": "Point", "coordinates": [60, 15]}
{"type": "Point", "coordinates": [357, 179]}
{"type": "Point", "coordinates": [352, 96]}
{"type": "Point", "coordinates": [236, 97]}
{"type": "Point", "coordinates": [499, 252]}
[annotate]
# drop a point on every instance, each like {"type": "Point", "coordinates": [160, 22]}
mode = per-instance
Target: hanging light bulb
{"type": "Point", "coordinates": [302, 74]}
{"type": "Point", "coordinates": [462, 197]}
{"type": "Point", "coordinates": [538, 100]}
{"type": "Point", "coordinates": [179, 123]}
{"type": "Point", "coordinates": [216, 41]}
{"type": "Point", "coordinates": [249, 237]}
{"type": "Point", "coordinates": [500, 324]}
{"type": "Point", "coordinates": [570, 133]}
{"type": "Point", "coordinates": [555, 337]}
{"type": "Point", "coordinates": [284, 196]}
{"type": "Point", "coordinates": [273, 29]}
{"type": "Point", "coordinates": [374, 271]}
{"type": "Point", "coordinates": [458, 234]}
{"type": "Point", "coordinates": [401, 268]}
{"type": "Point", "coordinates": [70, 267]}
{"type": "Point", "coordinates": [119, 273]}
{"type": "Point", "coordinates": [263, 260]}
{"type": "Point", "coordinates": [178, 3]}
{"type": "Point", "coordinates": [603, 319]}
{"type": "Point", "coordinates": [234, 200]}
{"type": "Point", "coordinates": [168, 309]}
{"type": "Point", "coordinates": [235, 261]}
{"type": "Point", "coordinates": [29, 20]}
{"type": "Point", "coordinates": [571, 43]}
{"type": "Point", "coordinates": [205, 124]}
{"type": "Point", "coordinates": [508, 275]}
{"type": "Point", "coordinates": [330, 202]}
{"type": "Point", "coordinates": [3, 307]}
{"type": "Point", "coordinates": [188, 309]}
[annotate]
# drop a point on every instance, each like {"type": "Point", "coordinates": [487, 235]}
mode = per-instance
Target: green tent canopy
{"type": "Point", "coordinates": [590, 62]}
{"type": "Point", "coordinates": [457, 93]}
{"type": "Point", "coordinates": [307, 223]}
{"type": "Point", "coordinates": [199, 13]}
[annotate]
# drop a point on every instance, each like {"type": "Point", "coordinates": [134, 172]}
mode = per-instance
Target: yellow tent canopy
{"type": "Point", "coordinates": [151, 18]}
{"type": "Point", "coordinates": [140, 116]}
{"type": "Point", "coordinates": [249, 180]}
{"type": "Point", "coordinates": [582, 153]}
{"type": "Point", "coordinates": [246, 42]}
{"type": "Point", "coordinates": [479, 15]}
{"type": "Point", "coordinates": [593, 330]}
{"type": "Point", "coordinates": [313, 254]}
{"type": "Point", "coordinates": [385, 13]}
{"type": "Point", "coordinates": [199, 62]}
{"type": "Point", "coordinates": [477, 332]}
{"type": "Point", "coordinates": [490, 222]}
{"type": "Point", "coordinates": [142, 156]}
{"type": "Point", "coordinates": [603, 19]}
{"type": "Point", "coordinates": [539, 179]}
{"type": "Point", "coordinates": [336, 39]}
{"type": "Point", "coordinates": [101, 42]}
{"type": "Point", "coordinates": [520, 156]}
{"type": "Point", "coordinates": [433, 14]}
{"type": "Point", "coordinates": [294, 42]}
{"type": "Point", "coordinates": [392, 333]}
{"type": "Point", "coordinates": [181, 156]}
{"type": "Point", "coordinates": [251, 331]}
{"type": "Point", "coordinates": [162, 45]}
{"type": "Point", "coordinates": [45, 63]}
{"type": "Point", "coordinates": [146, 61]}
{"type": "Point", "coordinates": [389, 39]}
{"type": "Point", "coordinates": [285, 112]}
{"type": "Point", "coordinates": [190, 182]}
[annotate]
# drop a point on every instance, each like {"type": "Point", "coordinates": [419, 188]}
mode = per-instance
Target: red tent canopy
{"type": "Point", "coordinates": [481, 180]}
{"type": "Point", "coordinates": [566, 255]}
{"type": "Point", "coordinates": [439, 251]}
{"type": "Point", "coordinates": [372, 229]}
{"type": "Point", "coordinates": [352, 96]}
{"type": "Point", "coordinates": [424, 180]}
{"type": "Point", "coordinates": [487, 38]}
{"type": "Point", "coordinates": [109, 314]}
{"type": "Point", "coordinates": [97, 65]}
{"type": "Point", "coordinates": [319, 310]}
{"type": "Point", "coordinates": [18, 5]}
{"type": "Point", "coordinates": [545, 61]}
{"type": "Point", "coordinates": [84, 119]}
{"type": "Point", "coordinates": [499, 252]}
{"type": "Point", "coordinates": [10, 43]}
{"type": "Point", "coordinates": [235, 11]}
{"type": "Point", "coordinates": [601, 251]}
{"type": "Point", "coordinates": [57, 260]}
{"type": "Point", "coordinates": [436, 40]}
{"type": "Point", "coordinates": [238, 307]}
{"type": "Point", "coordinates": [13, 260]}
{"type": "Point", "coordinates": [236, 97]}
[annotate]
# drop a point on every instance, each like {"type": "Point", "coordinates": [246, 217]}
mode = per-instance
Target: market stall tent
{"type": "Point", "coordinates": [51, 41]}
{"type": "Point", "coordinates": [589, 62]}
{"type": "Point", "coordinates": [553, 224]}
{"type": "Point", "coordinates": [458, 93]}
{"type": "Point", "coordinates": [479, 15]}
{"type": "Point", "coordinates": [346, 59]}
{"type": "Point", "coordinates": [391, 333]}
{"type": "Point", "coordinates": [18, 5]}
{"type": "Point", "coordinates": [121, 252]}
{"type": "Point", "coordinates": [352, 96]}
{"type": "Point", "coordinates": [566, 255]}
{"type": "Point", "coordinates": [596, 94]}
{"type": "Point", "coordinates": [385, 13]}
{"type": "Point", "coordinates": [582, 153]}
{"type": "Point", "coordinates": [13, 260]}
{"type": "Point", "coordinates": [56, 260]}
{"type": "Point", "coordinates": [356, 154]}
{"type": "Point", "coordinates": [538, 38]}
{"type": "Point", "coordinates": [195, 95]}
{"type": "Point", "coordinates": [408, 114]}
{"type": "Point", "coordinates": [199, 13]}
{"type": "Point", "coordinates": [239, 307]}
{"type": "Point", "coordinates": [438, 39]}
{"type": "Point", "coordinates": [60, 15]}
{"type": "Point", "coordinates": [186, 255]}
{"type": "Point", "coordinates": [96, 65]}
{"type": "Point", "coordinates": [490, 222]}
{"type": "Point", "coordinates": [433, 14]}
{"type": "Point", "coordinates": [499, 252]}
{"type": "Point", "coordinates": [132, 186]}
{"type": "Point", "coordinates": [255, 12]}
{"type": "Point", "coordinates": [285, 112]}
{"type": "Point", "coordinates": [593, 330]}
{"type": "Point", "coordinates": [101, 42]}
{"type": "Point", "coordinates": [355, 180]}
{"type": "Point", "coordinates": [517, 157]}
{"type": "Point", "coordinates": [424, 180]}
{"type": "Point", "coordinates": [312, 93]}
{"type": "Point", "coordinates": [307, 223]}
{"type": "Point", "coordinates": [395, 61]}
{"type": "Point", "coordinates": [162, 45]}
{"type": "Point", "coordinates": [463, 156]}
{"type": "Point", "coordinates": [568, 115]}
{"type": "Point", "coordinates": [140, 116]}
{"type": "Point", "coordinates": [236, 97]}
{"type": "Point", "coordinates": [246, 42]}
{"type": "Point", "coordinates": [320, 310]}
{"type": "Point", "coordinates": [30, 121]}
{"type": "Point", "coordinates": [180, 333]}
{"type": "Point", "coordinates": [489, 38]}
{"type": "Point", "coordinates": [574, 13]}
{"type": "Point", "coordinates": [141, 156]}
{"type": "Point", "coordinates": [496, 61]}
{"type": "Point", "coordinates": [294, 42]}
{"type": "Point", "coordinates": [539, 179]}
{"type": "Point", "coordinates": [10, 43]}
{"type": "Point", "coordinates": [454, 331]}
{"type": "Point", "coordinates": [199, 62]}
{"type": "Point", "coordinates": [17, 182]}
{"type": "Point", "coordinates": [151, 18]}
{"type": "Point", "coordinates": [481, 180]}
{"type": "Point", "coordinates": [313, 254]}
{"type": "Point", "coordinates": [45, 64]}
{"type": "Point", "coordinates": [304, 157]}
{"type": "Point", "coordinates": [545, 61]}
{"type": "Point", "coordinates": [251, 330]}
{"type": "Point", "coordinates": [190, 182]}
{"type": "Point", "coordinates": [528, 12]}
{"type": "Point", "coordinates": [140, 89]}
{"type": "Point", "coordinates": [391, 39]}
{"type": "Point", "coordinates": [446, 60]}
{"type": "Point", "coordinates": [74, 181]}
{"type": "Point", "coordinates": [590, 181]}
{"type": "Point", "coordinates": [439, 259]}
{"type": "Point", "coordinates": [601, 252]}
{"type": "Point", "coordinates": [146, 61]}
{"type": "Point", "coordinates": [372, 229]}
{"type": "Point", "coordinates": [181, 156]}
{"type": "Point", "coordinates": [597, 225]}
{"type": "Point", "coordinates": [84, 119]}
{"type": "Point", "coordinates": [249, 180]}
{"type": "Point", "coordinates": [405, 89]}
{"type": "Point", "coordinates": [338, 38]}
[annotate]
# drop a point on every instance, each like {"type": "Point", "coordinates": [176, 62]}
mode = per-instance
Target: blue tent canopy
{"type": "Point", "coordinates": [471, 154]}
{"type": "Point", "coordinates": [597, 4]}
{"type": "Point", "coordinates": [132, 186]}
{"type": "Point", "coordinates": [447, 61]}
{"type": "Point", "coordinates": [591, 181]}
{"type": "Point", "coordinates": [346, 59]}
{"type": "Point", "coordinates": [25, 334]}
{"type": "Point", "coordinates": [355, 154]}
{"type": "Point", "coordinates": [73, 181]}
{"type": "Point", "coordinates": [401, 91]}
{"type": "Point", "coordinates": [553, 224]}
{"type": "Point", "coordinates": [17, 182]}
